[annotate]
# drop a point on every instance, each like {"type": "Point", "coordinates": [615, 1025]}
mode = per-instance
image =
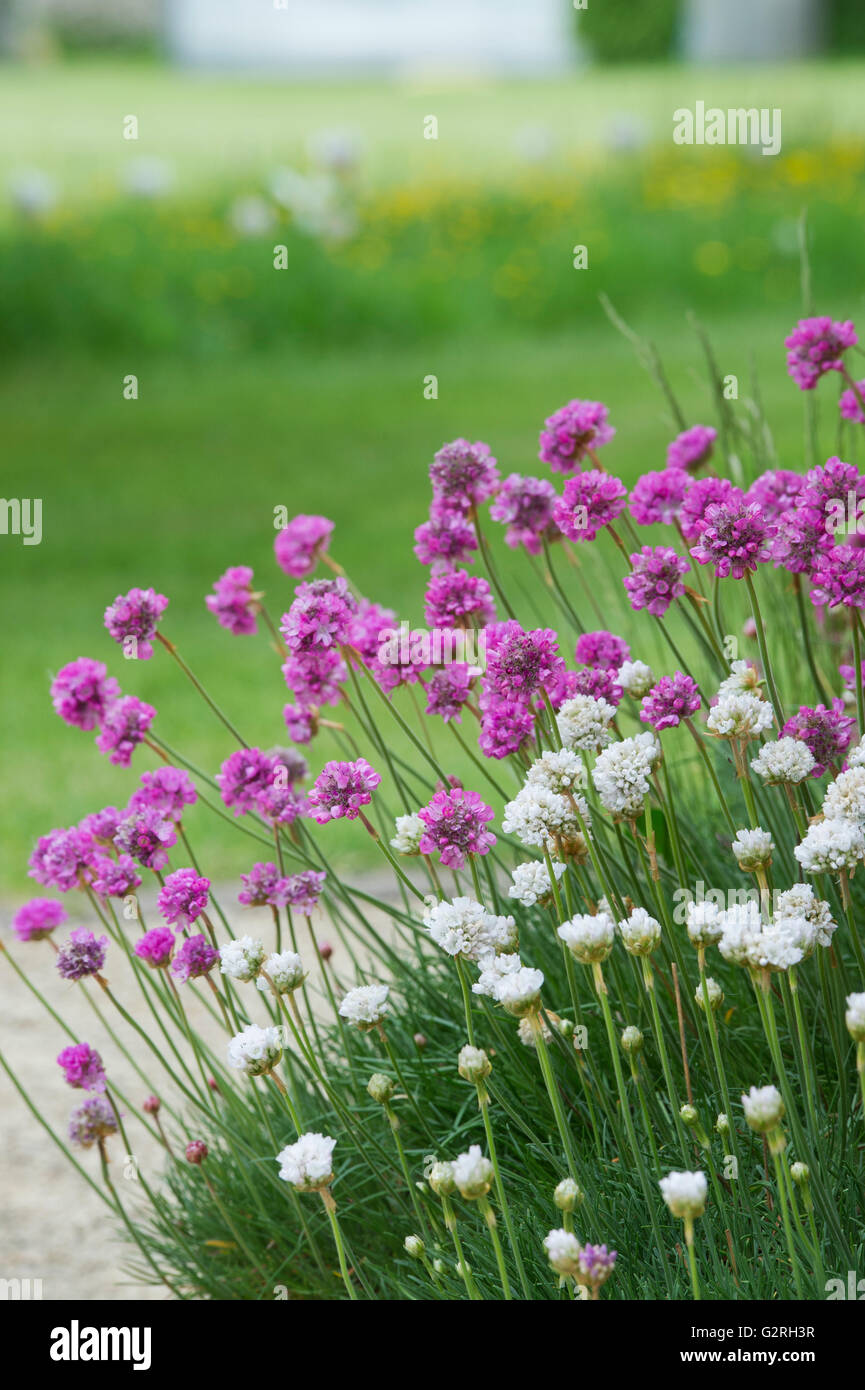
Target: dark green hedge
{"type": "Point", "coordinates": [625, 31]}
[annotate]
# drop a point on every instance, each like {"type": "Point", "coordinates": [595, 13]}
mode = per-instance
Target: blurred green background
{"type": "Point", "coordinates": [303, 386]}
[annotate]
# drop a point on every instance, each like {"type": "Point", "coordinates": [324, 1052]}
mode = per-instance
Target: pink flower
{"type": "Point", "coordinates": [849, 405]}
{"type": "Point", "coordinates": [838, 576]}
{"type": "Point", "coordinates": [519, 662]}
{"type": "Point", "coordinates": [303, 890]}
{"type": "Point", "coordinates": [195, 958]}
{"type": "Point", "coordinates": [264, 886]}
{"type": "Point", "coordinates": [82, 692]}
{"type": "Point", "coordinates": [601, 685]}
{"type": "Point", "coordinates": [316, 676]}
{"type": "Point", "coordinates": [341, 789]}
{"type": "Point", "coordinates": [692, 448]}
{"type": "Point", "coordinates": [816, 346]}
{"type": "Point", "coordinates": [114, 878]}
{"type": "Point", "coordinates": [301, 723]}
{"type": "Point", "coordinates": [458, 599]}
{"type": "Point", "coordinates": [169, 789]}
{"type": "Point", "coordinates": [244, 777]}
{"type": "Point", "coordinates": [776, 491]}
{"type": "Point", "coordinates": [526, 505]}
{"type": "Point", "coordinates": [449, 689]}
{"type": "Point", "coordinates": [657, 497]}
{"type": "Point", "coordinates": [132, 620]}
{"type": "Point", "coordinates": [655, 581]}
{"type": "Point", "coordinates": [572, 433]}
{"type": "Point", "coordinates": [367, 625]}
{"type": "Point", "coordinates": [155, 947]}
{"type": "Point", "coordinates": [602, 649]}
{"type": "Point", "coordinates": [455, 822]}
{"type": "Point", "coordinates": [102, 825]}
{"type": "Point", "coordinates": [591, 501]}
{"type": "Point", "coordinates": [445, 540]}
{"type": "Point", "coordinates": [62, 859]}
{"type": "Point", "coordinates": [320, 616]}
{"type": "Point", "coordinates": [734, 538]}
{"type": "Point", "coordinates": [232, 602]}
{"type": "Point", "coordinates": [801, 532]}
{"type": "Point", "coordinates": [673, 698]}
{"type": "Point", "coordinates": [463, 475]}
{"type": "Point", "coordinates": [146, 835]}
{"type": "Point", "coordinates": [81, 954]}
{"type": "Point", "coordinates": [125, 725]}
{"type": "Point", "coordinates": [505, 726]}
{"type": "Point", "coordinates": [827, 732]}
{"type": "Point", "coordinates": [82, 1067]}
{"type": "Point", "coordinates": [299, 545]}
{"type": "Point", "coordinates": [281, 805]}
{"type": "Point", "coordinates": [704, 493]}
{"type": "Point", "coordinates": [183, 897]}
{"type": "Point", "coordinates": [38, 918]}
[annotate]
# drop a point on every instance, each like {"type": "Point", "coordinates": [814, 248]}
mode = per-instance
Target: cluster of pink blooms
{"type": "Point", "coordinates": [591, 501]}
{"type": "Point", "coordinates": [463, 475]}
{"type": "Point", "coordinates": [658, 497]}
{"type": "Point", "coordinates": [655, 579]}
{"type": "Point", "coordinates": [573, 433]}
{"type": "Point", "coordinates": [526, 506]}
{"type": "Point", "coordinates": [734, 538]}
{"type": "Point", "coordinates": [38, 918]}
{"type": "Point", "coordinates": [81, 955]}
{"type": "Point", "coordinates": [519, 663]}
{"type": "Point", "coordinates": [183, 897]}
{"type": "Point", "coordinates": [195, 958]}
{"type": "Point", "coordinates": [447, 539]}
{"type": "Point", "coordinates": [602, 650]}
{"type": "Point", "coordinates": [816, 346]}
{"type": "Point", "coordinates": [827, 732]}
{"type": "Point", "coordinates": [82, 1067]}
{"type": "Point", "coordinates": [320, 616]}
{"type": "Point", "coordinates": [456, 824]}
{"type": "Point", "coordinates": [457, 599]}
{"type": "Point", "coordinates": [449, 689]}
{"type": "Point", "coordinates": [82, 692]}
{"type": "Point", "coordinates": [155, 946]}
{"type": "Point", "coordinates": [126, 723]}
{"type": "Point", "coordinates": [692, 448]}
{"type": "Point", "coordinates": [264, 886]}
{"type": "Point", "coordinates": [146, 835]}
{"type": "Point", "coordinates": [134, 617]}
{"type": "Point", "coordinates": [671, 700]}
{"type": "Point", "coordinates": [233, 603]}
{"type": "Point", "coordinates": [300, 545]}
{"type": "Point", "coordinates": [168, 789]}
{"type": "Point", "coordinates": [342, 789]}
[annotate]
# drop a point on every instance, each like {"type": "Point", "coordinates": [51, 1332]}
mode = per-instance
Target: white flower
{"type": "Point", "coordinates": [830, 846]}
{"type": "Point", "coordinates": [473, 1173]}
{"type": "Point", "coordinates": [255, 1050]}
{"type": "Point", "coordinates": [703, 923]}
{"type": "Point", "coordinates": [714, 994]}
{"type": "Point", "coordinates": [684, 1193]}
{"type": "Point", "coordinates": [563, 1251]}
{"type": "Point", "coordinates": [855, 1017]}
{"type": "Point", "coordinates": [744, 679]}
{"type": "Point", "coordinates": [541, 818]}
{"type": "Point", "coordinates": [527, 1034]}
{"type": "Point", "coordinates": [493, 969]}
{"type": "Point", "coordinates": [560, 771]}
{"type": "Point", "coordinates": [409, 830]}
{"type": "Point", "coordinates": [856, 756]}
{"type": "Point", "coordinates": [764, 1108]}
{"type": "Point", "coordinates": [845, 797]}
{"type": "Point", "coordinates": [414, 1247]}
{"type": "Point", "coordinates": [747, 940]}
{"type": "Point", "coordinates": [531, 881]}
{"type": "Point", "coordinates": [307, 1163]}
{"type": "Point", "coordinates": [286, 971]}
{"type": "Point", "coordinates": [567, 1195]}
{"type": "Point", "coordinates": [584, 722]}
{"type": "Point", "coordinates": [242, 959]}
{"type": "Point", "coordinates": [622, 771]}
{"type": "Point", "coordinates": [589, 939]}
{"type": "Point", "coordinates": [740, 716]}
{"type": "Point", "coordinates": [463, 927]}
{"type": "Point", "coordinates": [474, 1064]}
{"type": "Point", "coordinates": [785, 760]}
{"type": "Point", "coordinates": [753, 849]}
{"type": "Point", "coordinates": [801, 901]}
{"type": "Point", "coordinates": [635, 678]}
{"type": "Point", "coordinates": [520, 991]}
{"type": "Point", "coordinates": [640, 933]}
{"type": "Point", "coordinates": [365, 1006]}
{"type": "Point", "coordinates": [441, 1179]}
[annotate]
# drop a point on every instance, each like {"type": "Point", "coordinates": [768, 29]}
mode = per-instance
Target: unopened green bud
{"type": "Point", "coordinates": [632, 1039]}
{"type": "Point", "coordinates": [414, 1247]}
{"type": "Point", "coordinates": [689, 1116]}
{"type": "Point", "coordinates": [380, 1087]}
{"type": "Point", "coordinates": [722, 1124]}
{"type": "Point", "coordinates": [441, 1179]}
{"type": "Point", "coordinates": [713, 993]}
{"type": "Point", "coordinates": [568, 1195]}
{"type": "Point", "coordinates": [474, 1064]}
{"type": "Point", "coordinates": [800, 1174]}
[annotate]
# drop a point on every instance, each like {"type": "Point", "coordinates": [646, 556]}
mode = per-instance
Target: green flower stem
{"type": "Point", "coordinates": [484, 1107]}
{"type": "Point", "coordinates": [467, 1004]}
{"type": "Point", "coordinates": [330, 1208]}
{"type": "Point", "coordinates": [390, 858]}
{"type": "Point", "coordinates": [395, 714]}
{"type": "Point", "coordinates": [172, 650]}
{"type": "Point", "coordinates": [821, 684]}
{"type": "Point", "coordinates": [791, 982]}
{"type": "Point", "coordinates": [692, 1260]}
{"type": "Point", "coordinates": [490, 1218]}
{"type": "Point", "coordinates": [394, 1061]}
{"type": "Point", "coordinates": [775, 1140]}
{"type": "Point", "coordinates": [647, 1123]}
{"type": "Point", "coordinates": [393, 1120]}
{"type": "Point", "coordinates": [860, 1067]}
{"type": "Point", "coordinates": [462, 1263]}
{"type": "Point", "coordinates": [764, 650]}
{"type": "Point", "coordinates": [649, 985]}
{"type": "Point", "coordinates": [710, 768]}
{"type": "Point", "coordinates": [553, 1093]}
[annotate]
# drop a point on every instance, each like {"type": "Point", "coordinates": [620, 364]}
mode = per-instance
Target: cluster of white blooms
{"type": "Point", "coordinates": [685, 1194]}
{"type": "Point", "coordinates": [473, 1173]}
{"type": "Point", "coordinates": [285, 969]}
{"type": "Point", "coordinates": [441, 1179]}
{"type": "Point", "coordinates": [365, 1006]}
{"type": "Point", "coordinates": [621, 774]}
{"type": "Point", "coordinates": [713, 995]}
{"type": "Point", "coordinates": [855, 1017]}
{"type": "Point", "coordinates": [747, 940]}
{"type": "Point", "coordinates": [560, 771]}
{"type": "Point", "coordinates": [830, 846]}
{"type": "Point", "coordinates": [589, 939]}
{"type": "Point", "coordinates": [519, 992]}
{"type": "Point", "coordinates": [255, 1050]}
{"type": "Point", "coordinates": [242, 959]}
{"type": "Point", "coordinates": [493, 969]}
{"type": "Point", "coordinates": [740, 716]}
{"type": "Point", "coordinates": [540, 818]}
{"type": "Point", "coordinates": [844, 798]}
{"type": "Point", "coordinates": [640, 933]}
{"type": "Point", "coordinates": [584, 722]}
{"type": "Point", "coordinates": [473, 1063]}
{"type": "Point", "coordinates": [531, 881]}
{"type": "Point", "coordinates": [463, 927]}
{"type": "Point", "coordinates": [753, 849]}
{"type": "Point", "coordinates": [635, 678]}
{"type": "Point", "coordinates": [856, 756]}
{"type": "Point", "coordinates": [764, 1108]}
{"type": "Point", "coordinates": [527, 1030]}
{"type": "Point", "coordinates": [744, 679]}
{"type": "Point", "coordinates": [563, 1251]}
{"type": "Point", "coordinates": [308, 1163]}
{"type": "Point", "coordinates": [704, 923]}
{"type": "Point", "coordinates": [801, 901]}
{"type": "Point", "coordinates": [409, 830]}
{"type": "Point", "coordinates": [785, 760]}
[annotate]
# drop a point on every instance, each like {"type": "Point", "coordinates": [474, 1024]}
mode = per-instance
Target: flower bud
{"type": "Point", "coordinates": [764, 1108]}
{"type": "Point", "coordinates": [325, 950]}
{"type": "Point", "coordinates": [196, 1151]}
{"type": "Point", "coordinates": [419, 1040]}
{"type": "Point", "coordinates": [688, 1115]}
{"type": "Point", "coordinates": [441, 1179]}
{"type": "Point", "coordinates": [722, 1124]}
{"type": "Point", "coordinates": [800, 1173]}
{"type": "Point", "coordinates": [713, 993]}
{"type": "Point", "coordinates": [414, 1247]}
{"type": "Point", "coordinates": [568, 1195]}
{"type": "Point", "coordinates": [474, 1064]}
{"type": "Point", "coordinates": [380, 1087]}
{"type": "Point", "coordinates": [632, 1039]}
{"type": "Point", "coordinates": [151, 1105]}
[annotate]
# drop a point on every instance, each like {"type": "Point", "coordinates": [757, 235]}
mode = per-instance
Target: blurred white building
{"type": "Point", "coordinates": [314, 37]}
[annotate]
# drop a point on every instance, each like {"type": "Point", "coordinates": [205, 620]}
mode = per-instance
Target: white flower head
{"type": "Point", "coordinates": [242, 959]}
{"type": "Point", "coordinates": [635, 678]}
{"type": "Point", "coordinates": [621, 774]}
{"type": "Point", "coordinates": [747, 940]}
{"type": "Point", "coordinates": [786, 760]}
{"type": "Point", "coordinates": [845, 797]}
{"type": "Point", "coordinates": [542, 819]}
{"type": "Point", "coordinates": [713, 995]}
{"type": "Point", "coordinates": [567, 1195]}
{"type": "Point", "coordinates": [255, 1051]}
{"type": "Point", "coordinates": [764, 1108]}
{"type": "Point", "coordinates": [704, 923]}
{"type": "Point", "coordinates": [685, 1194]}
{"type": "Point", "coordinates": [409, 830]}
{"type": "Point", "coordinates": [801, 901]}
{"type": "Point", "coordinates": [855, 1017]}
{"type": "Point", "coordinates": [493, 969]}
{"type": "Point", "coordinates": [560, 771]}
{"type": "Point", "coordinates": [584, 722]}
{"type": "Point", "coordinates": [285, 969]}
{"type": "Point", "coordinates": [365, 1006]}
{"type": "Point", "coordinates": [744, 679]}
{"type": "Point", "coordinates": [740, 716]}
{"type": "Point", "coordinates": [831, 846]}
{"type": "Point", "coordinates": [474, 1064]}
{"type": "Point", "coordinates": [640, 933]}
{"type": "Point", "coordinates": [473, 1173]}
{"type": "Point", "coordinates": [753, 849]}
{"type": "Point", "coordinates": [563, 1251]}
{"type": "Point", "coordinates": [520, 991]}
{"type": "Point", "coordinates": [308, 1163]}
{"type": "Point", "coordinates": [856, 756]}
{"type": "Point", "coordinates": [589, 939]}
{"type": "Point", "coordinates": [463, 927]}
{"type": "Point", "coordinates": [531, 882]}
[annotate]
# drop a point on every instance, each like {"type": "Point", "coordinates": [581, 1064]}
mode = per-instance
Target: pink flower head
{"type": "Point", "coordinates": [831, 487]}
{"type": "Point", "coordinates": [316, 676]}
{"type": "Point", "coordinates": [320, 615]}
{"type": "Point", "coordinates": [848, 676]}
{"type": "Point", "coordinates": [673, 699]}
{"type": "Point", "coordinates": [849, 405]}
{"type": "Point", "coordinates": [82, 954]}
{"type": "Point", "coordinates": [125, 725]}
{"type": "Point", "coordinates": [455, 826]}
{"type": "Point", "coordinates": [183, 897]}
{"type": "Point", "coordinates": [447, 539]}
{"type": "Point", "coordinates": [838, 576]}
{"type": "Point", "coordinates": [303, 890]}
{"type": "Point", "coordinates": [195, 958]}
{"type": "Point", "coordinates": [341, 789]}
{"type": "Point", "coordinates": [281, 804]}
{"type": "Point", "coordinates": [82, 1067]}
{"type": "Point", "coordinates": [735, 538]}
{"type": "Point", "coordinates": [572, 433]}
{"type": "Point", "coordinates": [169, 789]}
{"type": "Point", "coordinates": [146, 835]}
{"type": "Point", "coordinates": [505, 726]}
{"type": "Point", "coordinates": [591, 501]}
{"type": "Point", "coordinates": [449, 689]}
{"type": "Point", "coordinates": [801, 532]}
{"type": "Point", "coordinates": [92, 1122]}
{"type": "Point", "coordinates": [816, 346]}
{"type": "Point", "coordinates": [601, 685]}
{"type": "Point", "coordinates": [133, 618]}
{"type": "Point", "coordinates": [232, 602]}
{"type": "Point", "coordinates": [458, 599]}
{"type": "Point", "coordinates": [657, 497]}
{"type": "Point", "coordinates": [366, 627]}
{"type": "Point", "coordinates": [155, 947]}
{"type": "Point", "coordinates": [402, 657]}
{"type": "Point", "coordinates": [692, 448]}
{"type": "Point", "coordinates": [299, 545]}
{"type": "Point", "coordinates": [519, 662]}
{"type": "Point", "coordinates": [704, 493]}
{"type": "Point", "coordinates": [114, 878]}
{"type": "Point", "coordinates": [827, 732]}
{"type": "Point", "coordinates": [602, 649]}
{"type": "Point", "coordinates": [526, 506]}
{"type": "Point", "coordinates": [82, 692]}
{"type": "Point", "coordinates": [463, 475]}
{"type": "Point", "coordinates": [38, 918]}
{"type": "Point", "coordinates": [244, 778]}
{"type": "Point", "coordinates": [300, 723]}
{"type": "Point", "coordinates": [196, 1151]}
{"type": "Point", "coordinates": [102, 825]}
{"type": "Point", "coordinates": [776, 491]}
{"type": "Point", "coordinates": [264, 886]}
{"type": "Point", "coordinates": [62, 859]}
{"type": "Point", "coordinates": [656, 579]}
{"type": "Point", "coordinates": [563, 687]}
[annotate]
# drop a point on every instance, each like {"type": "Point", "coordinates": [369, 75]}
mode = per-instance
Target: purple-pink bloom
{"type": "Point", "coordinates": [62, 859]}
{"type": "Point", "coordinates": [264, 886]}
{"type": "Point", "coordinates": [455, 826]}
{"type": "Point", "coordinates": [735, 538]}
{"type": "Point", "coordinates": [102, 825]}
{"type": "Point", "coordinates": [827, 732]}
{"type": "Point", "coordinates": [692, 448]}
{"type": "Point", "coordinates": [505, 726]}
{"type": "Point", "coordinates": [316, 676]}
{"type": "Point", "coordinates": [463, 475]}
{"type": "Point", "coordinates": [125, 725]}
{"type": "Point", "coordinates": [701, 495]}
{"type": "Point", "coordinates": [82, 692]}
{"type": "Point", "coordinates": [146, 835]}
{"type": "Point", "coordinates": [82, 954]}
{"type": "Point", "coordinates": [601, 685]}
{"type": "Point", "coordinates": [520, 662]}
{"type": "Point", "coordinates": [402, 657]}
{"type": "Point", "coordinates": [458, 599]}
{"type": "Point", "coordinates": [183, 897]}
{"type": "Point", "coordinates": [776, 491]}
{"type": "Point", "coordinates": [657, 497]}
{"type": "Point", "coordinates": [244, 778]}
{"type": "Point", "coordinates": [82, 1067]}
{"type": "Point", "coordinates": [301, 543]}
{"type": "Point", "coordinates": [838, 576]}
{"type": "Point", "coordinates": [196, 957]}
{"type": "Point", "coordinates": [449, 689]}
{"type": "Point", "coordinates": [92, 1122]}
{"type": "Point", "coordinates": [300, 723]}
{"type": "Point", "coordinates": [526, 504]}
{"type": "Point", "coordinates": [801, 533]}
{"type": "Point", "coordinates": [602, 649]}
{"type": "Point", "coordinates": [591, 501]}
{"type": "Point", "coordinates": [303, 890]}
{"type": "Point", "coordinates": [447, 539]}
{"type": "Point", "coordinates": [816, 346]}
{"type": "Point", "coordinates": [134, 617]}
{"type": "Point", "coordinates": [849, 405]}
{"type": "Point", "coordinates": [596, 1263]}
{"type": "Point", "coordinates": [848, 676]}
{"type": "Point", "coordinates": [38, 918]}
{"type": "Point", "coordinates": [831, 490]}
{"type": "Point", "coordinates": [671, 700]}
{"type": "Point", "coordinates": [232, 602]}
{"type": "Point", "coordinates": [155, 946]}
{"type": "Point", "coordinates": [282, 804]}
{"type": "Point", "coordinates": [572, 433]}
{"type": "Point", "coordinates": [320, 615]}
{"type": "Point", "coordinates": [656, 578]}
{"type": "Point", "coordinates": [341, 789]}
{"type": "Point", "coordinates": [169, 789]}
{"type": "Point", "coordinates": [367, 625]}
{"type": "Point", "coordinates": [114, 878]}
